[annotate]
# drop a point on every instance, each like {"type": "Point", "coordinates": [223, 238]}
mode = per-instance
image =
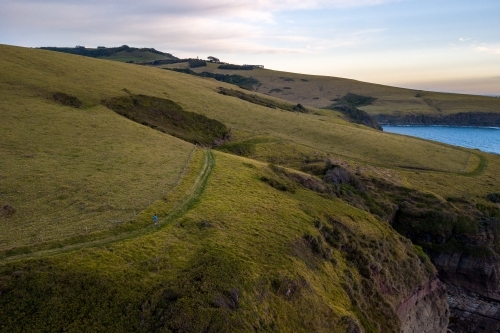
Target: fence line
{"type": "Point", "coordinates": [85, 226]}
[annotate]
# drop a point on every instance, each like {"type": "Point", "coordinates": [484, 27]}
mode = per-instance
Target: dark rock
{"type": "Point", "coordinates": [457, 119]}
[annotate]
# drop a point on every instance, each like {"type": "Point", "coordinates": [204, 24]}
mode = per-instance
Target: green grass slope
{"type": "Point", "coordinates": [242, 245]}
{"type": "Point", "coordinates": [323, 91]}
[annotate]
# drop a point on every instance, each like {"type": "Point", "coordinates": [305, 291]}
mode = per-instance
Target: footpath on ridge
{"type": "Point", "coordinates": [180, 208]}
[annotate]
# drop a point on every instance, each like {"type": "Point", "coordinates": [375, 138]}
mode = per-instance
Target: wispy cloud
{"type": "Point", "coordinates": [190, 25]}
{"type": "Point", "coordinates": [484, 48]}
{"type": "Point", "coordinates": [462, 39]}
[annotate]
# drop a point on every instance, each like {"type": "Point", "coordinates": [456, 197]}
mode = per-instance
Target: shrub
{"type": "Point", "coordinates": [494, 197]}
{"type": "Point", "coordinates": [168, 117]}
{"type": "Point", "coordinates": [193, 63]}
{"type": "Point", "coordinates": [237, 67]}
{"type": "Point", "coordinates": [67, 100]}
{"type": "Point", "coordinates": [7, 211]}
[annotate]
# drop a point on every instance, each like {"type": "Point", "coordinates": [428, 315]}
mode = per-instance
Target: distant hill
{"type": "Point", "coordinates": [122, 53]}
{"type": "Point", "coordinates": [387, 104]}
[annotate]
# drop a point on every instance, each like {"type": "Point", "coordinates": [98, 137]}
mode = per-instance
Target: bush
{"type": "Point", "coordinates": [237, 67]}
{"type": "Point", "coordinates": [494, 197]}
{"type": "Point", "coordinates": [67, 100]}
{"type": "Point", "coordinates": [193, 63]}
{"type": "Point", "coordinates": [7, 211]}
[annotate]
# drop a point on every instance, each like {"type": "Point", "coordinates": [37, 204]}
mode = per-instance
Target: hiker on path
{"type": "Point", "coordinates": [155, 220]}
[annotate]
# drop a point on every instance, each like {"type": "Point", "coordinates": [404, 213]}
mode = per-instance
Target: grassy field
{"type": "Point", "coordinates": [242, 245]}
{"type": "Point", "coordinates": [236, 261]}
{"type": "Point", "coordinates": [321, 91]}
{"type": "Point", "coordinates": [43, 162]}
{"type": "Point", "coordinates": [69, 171]}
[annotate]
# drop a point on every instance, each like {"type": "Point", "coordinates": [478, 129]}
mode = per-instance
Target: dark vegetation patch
{"type": "Point", "coordinates": [304, 80]}
{"type": "Point", "coordinates": [193, 63]}
{"type": "Point", "coordinates": [67, 100]}
{"type": "Point", "coordinates": [275, 90]}
{"type": "Point", "coordinates": [239, 80]}
{"type": "Point", "coordinates": [358, 116]}
{"type": "Point", "coordinates": [356, 100]}
{"type": "Point", "coordinates": [494, 197]}
{"type": "Point", "coordinates": [279, 184]}
{"type": "Point", "coordinates": [105, 51]}
{"type": "Point", "coordinates": [255, 99]}
{"type": "Point", "coordinates": [7, 211]}
{"type": "Point", "coordinates": [168, 117]}
{"type": "Point", "coordinates": [237, 67]}
{"type": "Point", "coordinates": [287, 79]}
{"type": "Point", "coordinates": [164, 62]}
{"type": "Point", "coordinates": [241, 148]}
{"type": "Point", "coordinates": [288, 88]}
{"type": "Point", "coordinates": [349, 104]}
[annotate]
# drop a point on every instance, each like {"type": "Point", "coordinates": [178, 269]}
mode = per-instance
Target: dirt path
{"type": "Point", "coordinates": [182, 206]}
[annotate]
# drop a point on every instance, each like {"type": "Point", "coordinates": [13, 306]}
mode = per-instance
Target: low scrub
{"type": "Point", "coordinates": [169, 117]}
{"type": "Point", "coordinates": [255, 99]}
{"type": "Point", "coordinates": [244, 148]}
{"type": "Point", "coordinates": [241, 81]}
{"type": "Point", "coordinates": [193, 63]}
{"type": "Point", "coordinates": [67, 100]}
{"type": "Point", "coordinates": [349, 104]}
{"type": "Point", "coordinates": [493, 197]}
{"type": "Point", "coordinates": [237, 67]}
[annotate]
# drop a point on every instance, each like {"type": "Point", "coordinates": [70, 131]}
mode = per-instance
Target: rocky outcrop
{"type": "Point", "coordinates": [458, 119]}
{"type": "Point", "coordinates": [426, 310]}
{"type": "Point", "coordinates": [471, 313]}
{"type": "Point", "coordinates": [357, 116]}
{"type": "Point", "coordinates": [479, 275]}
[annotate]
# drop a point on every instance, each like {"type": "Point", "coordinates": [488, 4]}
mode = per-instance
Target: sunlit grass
{"type": "Point", "coordinates": [70, 171]}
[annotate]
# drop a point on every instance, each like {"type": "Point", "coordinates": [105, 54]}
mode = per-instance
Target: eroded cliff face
{"type": "Point", "coordinates": [426, 310]}
{"type": "Point", "coordinates": [473, 291]}
{"type": "Point", "coordinates": [471, 312]}
{"type": "Point", "coordinates": [479, 275]}
{"type": "Point", "coordinates": [458, 119]}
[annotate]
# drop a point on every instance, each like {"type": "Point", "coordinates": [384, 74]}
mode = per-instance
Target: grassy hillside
{"type": "Point", "coordinates": [323, 91]}
{"type": "Point", "coordinates": [291, 236]}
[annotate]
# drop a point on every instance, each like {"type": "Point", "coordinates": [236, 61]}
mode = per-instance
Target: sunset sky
{"type": "Point", "coordinates": [443, 45]}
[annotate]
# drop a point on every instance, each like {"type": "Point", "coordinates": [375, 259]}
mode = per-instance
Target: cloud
{"type": "Point", "coordinates": [249, 9]}
{"type": "Point", "coordinates": [462, 39]}
{"type": "Point", "coordinates": [229, 26]}
{"type": "Point", "coordinates": [484, 48]}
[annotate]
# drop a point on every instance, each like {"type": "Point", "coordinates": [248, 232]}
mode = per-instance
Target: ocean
{"type": "Point", "coordinates": [486, 139]}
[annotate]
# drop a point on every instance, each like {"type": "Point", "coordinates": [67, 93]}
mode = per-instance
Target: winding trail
{"type": "Point", "coordinates": [186, 203]}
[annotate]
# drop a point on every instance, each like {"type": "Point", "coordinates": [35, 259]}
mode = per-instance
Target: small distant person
{"type": "Point", "coordinates": [155, 220]}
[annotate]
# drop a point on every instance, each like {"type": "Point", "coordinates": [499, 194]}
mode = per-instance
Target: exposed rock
{"type": "Point", "coordinates": [470, 312]}
{"type": "Point", "coordinates": [425, 310]}
{"type": "Point", "coordinates": [458, 119]}
{"type": "Point", "coordinates": [480, 275]}
{"type": "Point", "coordinates": [358, 116]}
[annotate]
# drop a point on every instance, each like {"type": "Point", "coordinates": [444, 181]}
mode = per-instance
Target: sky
{"type": "Point", "coordinates": [440, 45]}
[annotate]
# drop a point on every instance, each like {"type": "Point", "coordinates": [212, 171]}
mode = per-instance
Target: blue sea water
{"type": "Point", "coordinates": [483, 138]}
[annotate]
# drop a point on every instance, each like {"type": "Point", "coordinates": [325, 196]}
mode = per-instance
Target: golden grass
{"type": "Point", "coordinates": [71, 171]}
{"type": "Point", "coordinates": [254, 230]}
{"type": "Point", "coordinates": [319, 91]}
{"type": "Point", "coordinates": [68, 170]}
{"type": "Point", "coordinates": [79, 165]}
